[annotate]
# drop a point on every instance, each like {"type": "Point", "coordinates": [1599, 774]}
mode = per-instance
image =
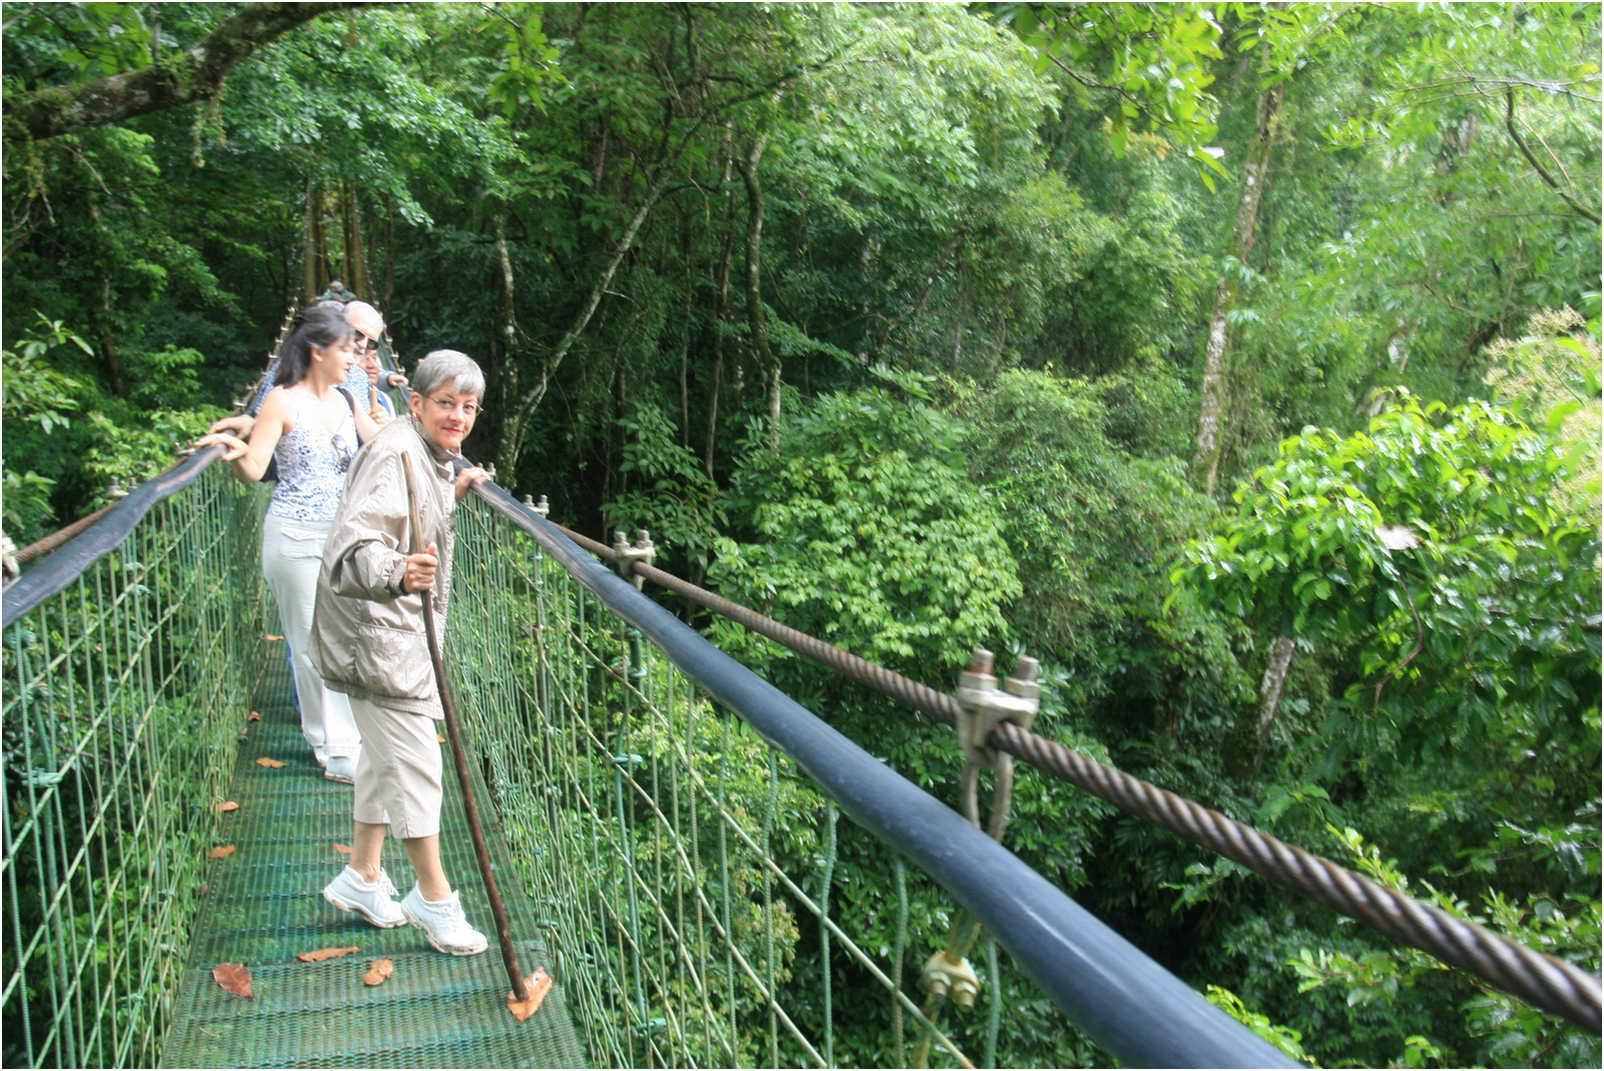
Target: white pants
{"type": "Point", "coordinates": [292, 552]}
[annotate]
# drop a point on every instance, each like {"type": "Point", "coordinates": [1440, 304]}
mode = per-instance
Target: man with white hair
{"type": "Point", "coordinates": [369, 327]}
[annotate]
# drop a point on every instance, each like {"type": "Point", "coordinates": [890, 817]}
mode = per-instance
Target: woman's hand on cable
{"type": "Point", "coordinates": [234, 446]}
{"type": "Point", "coordinates": [239, 425]}
{"type": "Point", "coordinates": [470, 478]}
{"type": "Point", "coordinates": [418, 574]}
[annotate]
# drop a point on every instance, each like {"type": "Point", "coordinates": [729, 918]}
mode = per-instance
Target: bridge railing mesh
{"type": "Point", "coordinates": [686, 867]}
{"type": "Point", "coordinates": [124, 693]}
{"type": "Point", "coordinates": [679, 818]}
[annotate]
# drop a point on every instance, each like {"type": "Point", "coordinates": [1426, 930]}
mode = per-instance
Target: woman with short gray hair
{"type": "Point", "coordinates": [368, 640]}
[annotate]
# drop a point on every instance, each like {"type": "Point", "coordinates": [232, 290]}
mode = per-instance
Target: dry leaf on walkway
{"type": "Point", "coordinates": [343, 849]}
{"type": "Point", "coordinates": [226, 806]}
{"type": "Point", "coordinates": [440, 737]}
{"type": "Point", "coordinates": [325, 953]}
{"type": "Point", "coordinates": [271, 764]}
{"type": "Point", "coordinates": [222, 851]}
{"type": "Point", "coordinates": [270, 638]}
{"type": "Point", "coordinates": [254, 715]}
{"type": "Point", "coordinates": [537, 985]}
{"type": "Point", "coordinates": [234, 978]}
{"type": "Point", "coordinates": [378, 972]}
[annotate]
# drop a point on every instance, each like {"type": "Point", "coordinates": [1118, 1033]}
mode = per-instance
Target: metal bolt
{"type": "Point", "coordinates": [1023, 681]}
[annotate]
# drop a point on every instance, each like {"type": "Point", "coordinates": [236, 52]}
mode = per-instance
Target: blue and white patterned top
{"type": "Point", "coordinates": [311, 467]}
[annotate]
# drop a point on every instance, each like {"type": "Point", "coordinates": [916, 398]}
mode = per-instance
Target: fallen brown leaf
{"type": "Point", "coordinates": [343, 849]}
{"type": "Point", "coordinates": [270, 638]}
{"type": "Point", "coordinates": [537, 985]}
{"type": "Point", "coordinates": [378, 971]}
{"type": "Point", "coordinates": [325, 953]}
{"type": "Point", "coordinates": [226, 806]}
{"type": "Point", "coordinates": [254, 715]}
{"type": "Point", "coordinates": [440, 737]}
{"type": "Point", "coordinates": [234, 978]}
{"type": "Point", "coordinates": [271, 764]}
{"type": "Point", "coordinates": [222, 851]}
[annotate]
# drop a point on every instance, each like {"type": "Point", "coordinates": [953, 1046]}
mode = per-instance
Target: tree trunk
{"type": "Point", "coordinates": [357, 248]}
{"type": "Point", "coordinates": [324, 272]}
{"type": "Point", "coordinates": [1206, 456]}
{"type": "Point", "coordinates": [1270, 689]}
{"type": "Point", "coordinates": [389, 255]}
{"type": "Point", "coordinates": [509, 345]}
{"type": "Point", "coordinates": [512, 433]}
{"type": "Point", "coordinates": [721, 309]}
{"type": "Point", "coordinates": [108, 344]}
{"type": "Point", "coordinates": [754, 287]}
{"type": "Point", "coordinates": [866, 256]}
{"type": "Point", "coordinates": [309, 238]}
{"type": "Point", "coordinates": [685, 337]}
{"type": "Point", "coordinates": [191, 74]}
{"type": "Point", "coordinates": [347, 247]}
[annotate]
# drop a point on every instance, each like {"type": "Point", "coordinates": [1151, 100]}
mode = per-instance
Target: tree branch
{"type": "Point", "coordinates": [1531, 158]}
{"type": "Point", "coordinates": [184, 76]}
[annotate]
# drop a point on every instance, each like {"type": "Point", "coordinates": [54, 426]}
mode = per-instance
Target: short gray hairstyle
{"type": "Point", "coordinates": [441, 367]}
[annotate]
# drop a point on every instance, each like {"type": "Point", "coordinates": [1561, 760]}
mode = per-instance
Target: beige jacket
{"type": "Point", "coordinates": [368, 639]}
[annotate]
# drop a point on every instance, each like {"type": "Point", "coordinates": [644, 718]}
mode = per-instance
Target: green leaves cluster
{"type": "Point", "coordinates": [865, 531]}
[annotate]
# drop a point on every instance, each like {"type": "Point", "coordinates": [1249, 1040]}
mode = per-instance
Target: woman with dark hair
{"type": "Point", "coordinates": [312, 427]}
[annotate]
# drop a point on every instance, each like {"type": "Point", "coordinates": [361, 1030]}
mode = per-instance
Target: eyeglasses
{"type": "Point", "coordinates": [446, 405]}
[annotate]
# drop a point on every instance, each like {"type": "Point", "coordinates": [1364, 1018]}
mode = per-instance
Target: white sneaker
{"type": "Point", "coordinates": [444, 924]}
{"type": "Point", "coordinates": [373, 900]}
{"type": "Point", "coordinates": [341, 768]}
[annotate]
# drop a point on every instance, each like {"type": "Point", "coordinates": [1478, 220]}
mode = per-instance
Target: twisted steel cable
{"type": "Point", "coordinates": [1543, 981]}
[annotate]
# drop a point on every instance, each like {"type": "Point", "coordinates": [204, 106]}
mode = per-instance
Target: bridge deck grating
{"type": "Point", "coordinates": [264, 905]}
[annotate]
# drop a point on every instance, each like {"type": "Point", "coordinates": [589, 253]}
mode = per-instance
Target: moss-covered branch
{"type": "Point", "coordinates": [181, 77]}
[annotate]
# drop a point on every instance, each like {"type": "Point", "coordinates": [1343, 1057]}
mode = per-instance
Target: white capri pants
{"type": "Point", "coordinates": [292, 552]}
{"type": "Point", "coordinates": [398, 776]}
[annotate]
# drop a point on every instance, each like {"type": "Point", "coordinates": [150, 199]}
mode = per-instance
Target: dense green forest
{"type": "Point", "coordinates": [1240, 362]}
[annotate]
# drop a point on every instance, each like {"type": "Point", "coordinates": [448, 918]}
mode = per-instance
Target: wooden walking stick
{"type": "Point", "coordinates": [527, 992]}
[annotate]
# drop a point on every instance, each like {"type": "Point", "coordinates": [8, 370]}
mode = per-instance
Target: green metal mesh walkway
{"type": "Point", "coordinates": [263, 904]}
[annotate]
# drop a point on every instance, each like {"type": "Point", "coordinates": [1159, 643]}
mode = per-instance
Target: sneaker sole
{"type": "Point", "coordinates": [438, 947]}
{"type": "Point", "coordinates": [350, 908]}
{"type": "Point", "coordinates": [338, 778]}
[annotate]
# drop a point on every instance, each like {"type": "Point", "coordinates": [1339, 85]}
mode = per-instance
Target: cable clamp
{"type": "Point", "coordinates": [982, 705]}
{"type": "Point", "coordinates": [946, 976]}
{"type": "Point", "coordinates": [625, 556]}
{"type": "Point", "coordinates": [542, 507]}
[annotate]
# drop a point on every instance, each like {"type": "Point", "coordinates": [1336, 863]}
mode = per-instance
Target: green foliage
{"type": "Point", "coordinates": [1091, 528]}
{"type": "Point", "coordinates": [866, 532]}
{"type": "Point", "coordinates": [1015, 198]}
{"type": "Point", "coordinates": [36, 401]}
{"type": "Point", "coordinates": [667, 492]}
{"type": "Point", "coordinates": [1284, 1038]}
{"type": "Point", "coordinates": [1152, 63]}
{"type": "Point", "coordinates": [1551, 374]}
{"type": "Point", "coordinates": [1430, 553]}
{"type": "Point", "coordinates": [1499, 1030]}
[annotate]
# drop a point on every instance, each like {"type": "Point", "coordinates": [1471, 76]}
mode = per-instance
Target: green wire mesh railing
{"type": "Point", "coordinates": [122, 704]}
{"type": "Point", "coordinates": [686, 869]}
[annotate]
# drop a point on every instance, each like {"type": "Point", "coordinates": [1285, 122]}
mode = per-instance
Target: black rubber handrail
{"type": "Point", "coordinates": [68, 562]}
